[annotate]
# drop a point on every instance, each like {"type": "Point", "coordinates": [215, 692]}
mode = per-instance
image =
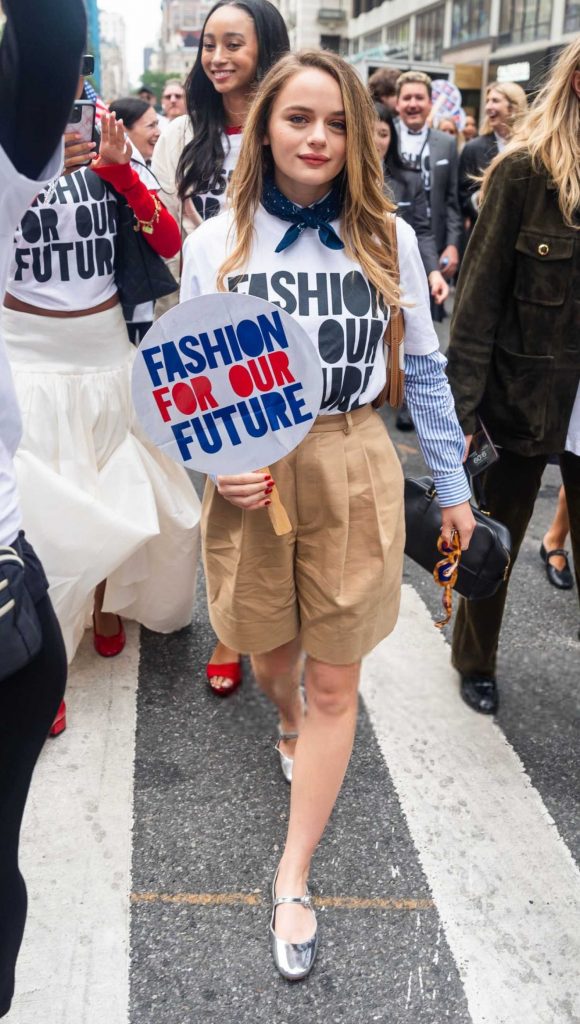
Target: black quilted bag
{"type": "Point", "coordinates": [485, 564]}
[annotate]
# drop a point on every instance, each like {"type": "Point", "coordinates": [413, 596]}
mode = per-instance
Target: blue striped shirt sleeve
{"type": "Point", "coordinates": [440, 437]}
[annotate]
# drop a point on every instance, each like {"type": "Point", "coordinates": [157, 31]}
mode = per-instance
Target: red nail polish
{"type": "Point", "coordinates": [267, 503]}
{"type": "Point", "coordinates": [269, 490]}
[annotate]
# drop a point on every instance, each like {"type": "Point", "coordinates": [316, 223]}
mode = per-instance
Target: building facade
{"type": "Point", "coordinates": [471, 41]}
{"type": "Point", "coordinates": [93, 38]}
{"type": "Point", "coordinates": [181, 23]}
{"type": "Point", "coordinates": [114, 81]}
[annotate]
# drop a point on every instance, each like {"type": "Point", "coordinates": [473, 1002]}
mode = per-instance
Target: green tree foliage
{"type": "Point", "coordinates": [155, 80]}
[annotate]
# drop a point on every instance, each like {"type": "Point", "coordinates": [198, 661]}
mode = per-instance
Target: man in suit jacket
{"type": "Point", "coordinates": [434, 155]}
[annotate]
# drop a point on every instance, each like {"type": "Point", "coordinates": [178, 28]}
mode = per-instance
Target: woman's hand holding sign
{"type": "Point", "coordinates": [247, 490]}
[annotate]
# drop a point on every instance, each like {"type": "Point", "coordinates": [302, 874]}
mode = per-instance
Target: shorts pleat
{"type": "Point", "coordinates": [336, 579]}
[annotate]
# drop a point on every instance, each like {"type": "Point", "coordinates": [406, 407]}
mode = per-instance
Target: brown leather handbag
{"type": "Point", "coordinates": [394, 343]}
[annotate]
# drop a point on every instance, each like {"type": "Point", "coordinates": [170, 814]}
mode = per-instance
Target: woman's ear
{"type": "Point", "coordinates": [576, 83]}
{"type": "Point", "coordinates": [266, 140]}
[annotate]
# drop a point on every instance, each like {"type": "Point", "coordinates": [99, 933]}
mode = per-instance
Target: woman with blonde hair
{"type": "Point", "coordinates": [309, 228]}
{"type": "Point", "coordinates": [514, 358]}
{"type": "Point", "coordinates": [505, 105]}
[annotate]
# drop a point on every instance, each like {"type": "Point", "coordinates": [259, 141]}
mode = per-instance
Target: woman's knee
{"type": "Point", "coordinates": [332, 689]}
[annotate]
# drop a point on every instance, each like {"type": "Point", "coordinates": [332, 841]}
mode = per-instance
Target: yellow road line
{"type": "Point", "coordinates": [228, 899]}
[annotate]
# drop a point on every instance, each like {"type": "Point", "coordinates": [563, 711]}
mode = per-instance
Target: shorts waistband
{"type": "Point", "coordinates": [344, 421]}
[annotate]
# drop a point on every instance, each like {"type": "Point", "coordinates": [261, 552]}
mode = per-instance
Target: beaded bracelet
{"type": "Point", "coordinates": [148, 226]}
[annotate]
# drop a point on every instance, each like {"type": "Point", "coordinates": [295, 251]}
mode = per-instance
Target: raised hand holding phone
{"type": "Point", "coordinates": [79, 148]}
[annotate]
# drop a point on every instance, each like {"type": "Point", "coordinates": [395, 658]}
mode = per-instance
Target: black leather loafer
{"type": "Point", "coordinates": [560, 578]}
{"type": "Point", "coordinates": [480, 692]}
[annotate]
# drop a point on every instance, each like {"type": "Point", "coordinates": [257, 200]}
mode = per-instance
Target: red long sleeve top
{"type": "Point", "coordinates": [165, 238]}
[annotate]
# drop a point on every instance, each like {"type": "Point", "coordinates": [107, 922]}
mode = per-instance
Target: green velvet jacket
{"type": "Point", "coordinates": [514, 355]}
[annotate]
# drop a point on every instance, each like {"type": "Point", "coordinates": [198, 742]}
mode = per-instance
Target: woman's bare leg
{"type": "Point", "coordinates": [106, 623]}
{"type": "Point", "coordinates": [278, 675]}
{"type": "Point", "coordinates": [558, 531]}
{"type": "Point", "coordinates": [320, 761]}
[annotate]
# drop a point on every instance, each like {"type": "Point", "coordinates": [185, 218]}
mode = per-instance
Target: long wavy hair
{"type": "Point", "coordinates": [201, 162]}
{"type": "Point", "coordinates": [365, 208]}
{"type": "Point", "coordinates": [517, 100]}
{"type": "Point", "coordinates": [550, 135]}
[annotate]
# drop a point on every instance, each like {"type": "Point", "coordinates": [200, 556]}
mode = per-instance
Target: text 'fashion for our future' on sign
{"type": "Point", "coordinates": [226, 383]}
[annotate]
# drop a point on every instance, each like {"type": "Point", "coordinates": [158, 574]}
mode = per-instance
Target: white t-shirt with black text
{"type": "Point", "coordinates": [16, 194]}
{"type": "Point", "coordinates": [210, 204]}
{"type": "Point", "coordinates": [326, 292]}
{"type": "Point", "coordinates": [415, 153]}
{"type": "Point", "coordinates": [64, 256]}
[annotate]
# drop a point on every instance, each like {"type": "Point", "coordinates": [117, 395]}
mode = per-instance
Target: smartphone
{"type": "Point", "coordinates": [482, 453]}
{"type": "Point", "coordinates": [88, 65]}
{"type": "Point", "coordinates": [82, 121]}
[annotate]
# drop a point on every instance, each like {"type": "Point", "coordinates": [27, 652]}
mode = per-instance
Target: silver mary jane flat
{"type": "Point", "coordinates": [286, 763]}
{"type": "Point", "coordinates": [294, 961]}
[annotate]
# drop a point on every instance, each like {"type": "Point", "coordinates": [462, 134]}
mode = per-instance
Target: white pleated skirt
{"type": "Point", "coordinates": [98, 501]}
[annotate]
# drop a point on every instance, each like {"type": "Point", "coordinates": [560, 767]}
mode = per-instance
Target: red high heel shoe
{"type": "Point", "coordinates": [59, 724]}
{"type": "Point", "coordinates": [109, 646]}
{"type": "Point", "coordinates": [232, 671]}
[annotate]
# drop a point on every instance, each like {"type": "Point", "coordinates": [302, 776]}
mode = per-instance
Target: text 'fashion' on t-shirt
{"type": "Point", "coordinates": [209, 204]}
{"type": "Point", "coordinates": [64, 257]}
{"type": "Point", "coordinates": [326, 292]}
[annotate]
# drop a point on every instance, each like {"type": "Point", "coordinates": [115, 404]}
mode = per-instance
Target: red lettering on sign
{"type": "Point", "coordinates": [262, 373]}
{"type": "Point", "coordinates": [162, 403]}
{"type": "Point", "coordinates": [281, 368]}
{"type": "Point", "coordinates": [184, 398]}
{"type": "Point", "coordinates": [241, 381]}
{"type": "Point", "coordinates": [201, 387]}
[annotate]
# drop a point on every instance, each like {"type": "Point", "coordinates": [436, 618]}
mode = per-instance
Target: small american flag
{"type": "Point", "coordinates": [92, 95]}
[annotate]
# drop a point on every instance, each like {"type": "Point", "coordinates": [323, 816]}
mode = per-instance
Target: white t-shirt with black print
{"type": "Point", "coordinates": [414, 149]}
{"type": "Point", "coordinates": [210, 204]}
{"type": "Point", "coordinates": [64, 252]}
{"type": "Point", "coordinates": [326, 292]}
{"type": "Point", "coordinates": [16, 194]}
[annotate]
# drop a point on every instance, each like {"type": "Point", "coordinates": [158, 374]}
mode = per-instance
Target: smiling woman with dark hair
{"type": "Point", "coordinates": [196, 155]}
{"type": "Point", "coordinates": [141, 123]}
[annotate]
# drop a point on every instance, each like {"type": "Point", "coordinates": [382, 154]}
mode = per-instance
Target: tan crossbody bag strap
{"type": "Point", "coordinates": [394, 344]}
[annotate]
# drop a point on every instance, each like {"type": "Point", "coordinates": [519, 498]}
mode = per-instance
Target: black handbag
{"type": "Point", "coordinates": [20, 629]}
{"type": "Point", "coordinates": [485, 564]}
{"type": "Point", "coordinates": [141, 275]}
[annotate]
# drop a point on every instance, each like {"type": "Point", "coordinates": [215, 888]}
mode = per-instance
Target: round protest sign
{"type": "Point", "coordinates": [226, 383]}
{"type": "Point", "coordinates": [446, 97]}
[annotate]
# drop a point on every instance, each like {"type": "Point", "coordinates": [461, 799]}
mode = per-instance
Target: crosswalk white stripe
{"type": "Point", "coordinates": [504, 882]}
{"type": "Point", "coordinates": [76, 852]}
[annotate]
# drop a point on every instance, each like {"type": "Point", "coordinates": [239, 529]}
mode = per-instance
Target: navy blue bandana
{"type": "Point", "coordinates": [316, 216]}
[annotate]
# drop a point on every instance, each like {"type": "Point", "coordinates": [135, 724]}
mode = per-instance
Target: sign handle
{"type": "Point", "coordinates": [277, 512]}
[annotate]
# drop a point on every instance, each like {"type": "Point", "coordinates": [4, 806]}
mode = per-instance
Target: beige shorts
{"type": "Point", "coordinates": [336, 579]}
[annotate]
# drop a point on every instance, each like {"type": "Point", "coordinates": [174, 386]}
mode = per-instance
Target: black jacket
{"type": "Point", "coordinates": [406, 188]}
{"type": "Point", "coordinates": [514, 354]}
{"type": "Point", "coordinates": [475, 157]}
